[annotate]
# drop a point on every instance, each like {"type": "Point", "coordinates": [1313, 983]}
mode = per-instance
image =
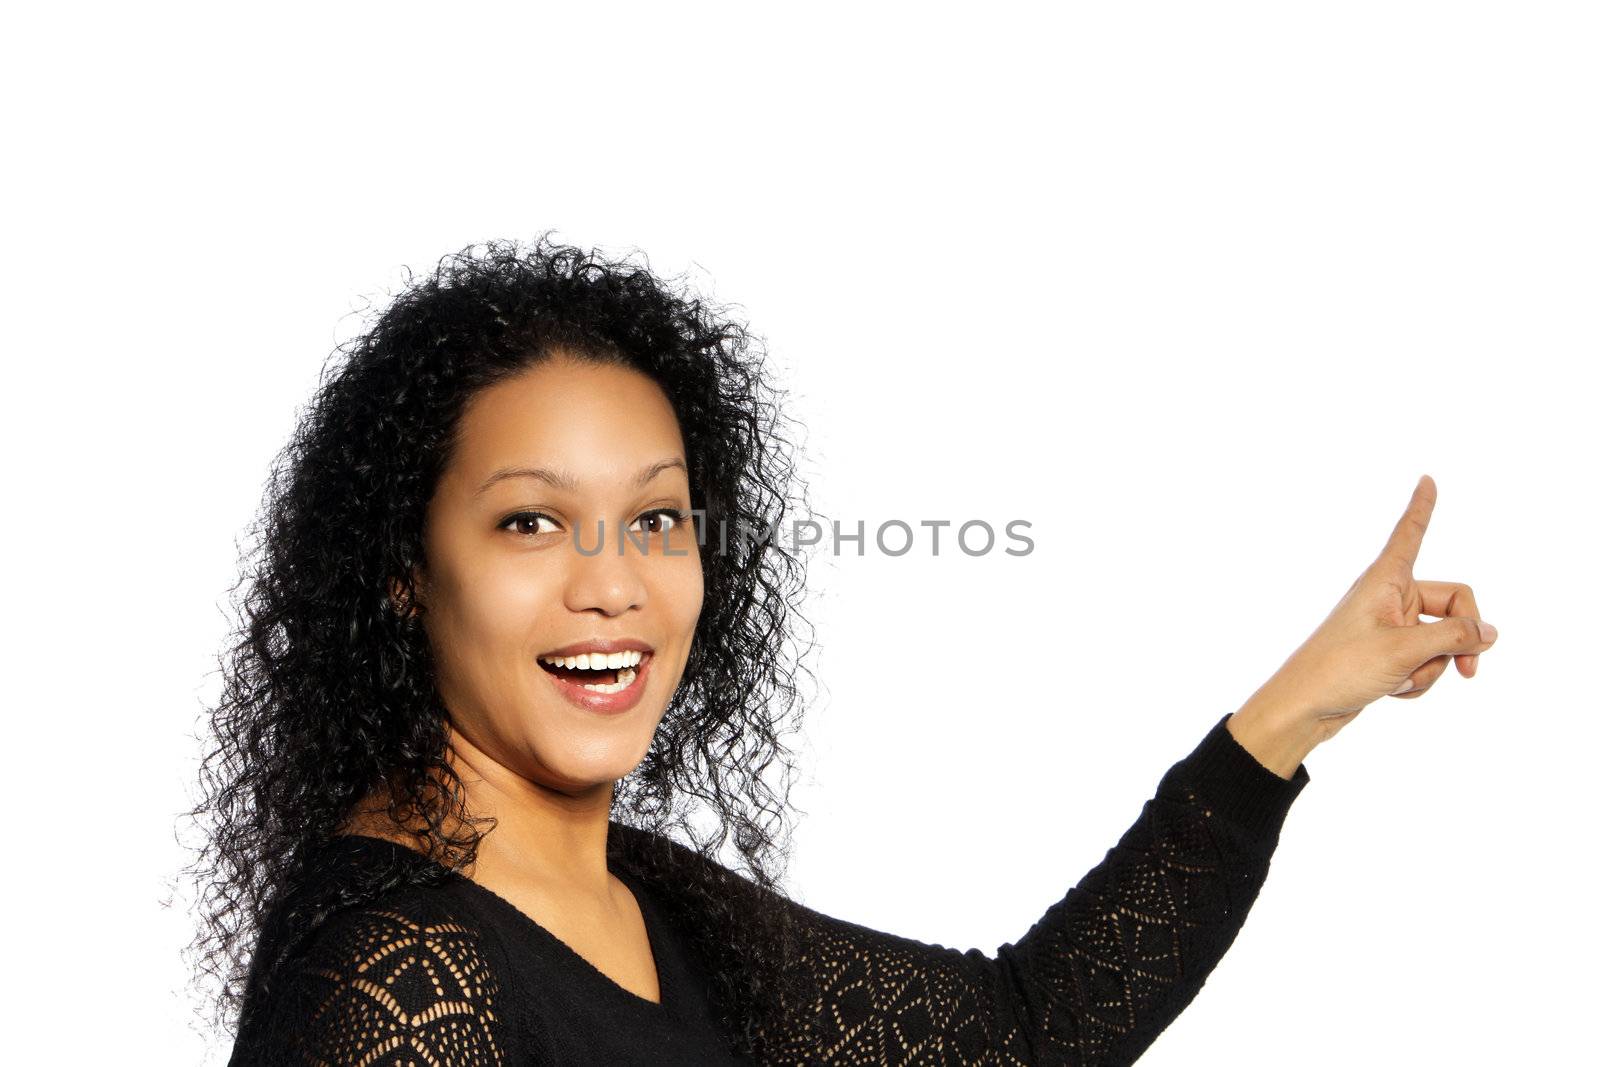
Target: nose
{"type": "Point", "coordinates": [604, 579]}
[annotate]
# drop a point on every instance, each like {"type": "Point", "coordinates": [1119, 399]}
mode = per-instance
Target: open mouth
{"type": "Point", "coordinates": [597, 672]}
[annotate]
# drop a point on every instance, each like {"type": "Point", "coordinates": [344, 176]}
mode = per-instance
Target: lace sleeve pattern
{"type": "Point", "coordinates": [381, 988]}
{"type": "Point", "coordinates": [1098, 977]}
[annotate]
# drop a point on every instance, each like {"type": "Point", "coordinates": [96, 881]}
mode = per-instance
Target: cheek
{"type": "Point", "coordinates": [681, 592]}
{"type": "Point", "coordinates": [492, 605]}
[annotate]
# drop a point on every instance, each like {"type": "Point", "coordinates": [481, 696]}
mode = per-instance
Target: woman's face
{"type": "Point", "coordinates": [508, 584]}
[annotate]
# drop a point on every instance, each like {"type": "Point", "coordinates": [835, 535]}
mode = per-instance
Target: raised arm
{"type": "Point", "coordinates": [381, 987]}
{"type": "Point", "coordinates": [1099, 976]}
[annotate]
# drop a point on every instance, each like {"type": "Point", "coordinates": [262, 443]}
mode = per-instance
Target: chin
{"type": "Point", "coordinates": [586, 766]}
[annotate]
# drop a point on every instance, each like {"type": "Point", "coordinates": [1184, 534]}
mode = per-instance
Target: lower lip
{"type": "Point", "coordinates": [603, 703]}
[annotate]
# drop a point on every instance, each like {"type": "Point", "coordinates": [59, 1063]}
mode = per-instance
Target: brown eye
{"type": "Point", "coordinates": [527, 523]}
{"type": "Point", "coordinates": [663, 518]}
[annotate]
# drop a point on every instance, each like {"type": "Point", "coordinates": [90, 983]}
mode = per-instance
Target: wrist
{"type": "Point", "coordinates": [1275, 731]}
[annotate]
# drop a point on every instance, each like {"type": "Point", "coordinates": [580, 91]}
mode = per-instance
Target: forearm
{"type": "Point", "coordinates": [1098, 977]}
{"type": "Point", "coordinates": [1275, 727]}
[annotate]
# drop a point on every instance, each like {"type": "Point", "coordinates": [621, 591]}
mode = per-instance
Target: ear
{"type": "Point", "coordinates": [400, 602]}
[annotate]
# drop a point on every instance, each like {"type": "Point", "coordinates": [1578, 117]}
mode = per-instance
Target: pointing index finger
{"type": "Point", "coordinates": [1406, 540]}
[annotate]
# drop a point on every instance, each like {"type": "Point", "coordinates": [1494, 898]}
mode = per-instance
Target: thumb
{"type": "Point", "coordinates": [1447, 637]}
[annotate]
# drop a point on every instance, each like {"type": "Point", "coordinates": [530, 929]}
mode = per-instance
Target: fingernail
{"type": "Point", "coordinates": [1405, 687]}
{"type": "Point", "coordinates": [1487, 632]}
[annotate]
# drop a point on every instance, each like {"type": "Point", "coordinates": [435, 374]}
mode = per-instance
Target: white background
{"type": "Point", "coordinates": [1198, 290]}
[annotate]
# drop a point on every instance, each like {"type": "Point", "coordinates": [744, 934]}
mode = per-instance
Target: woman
{"type": "Point", "coordinates": [509, 623]}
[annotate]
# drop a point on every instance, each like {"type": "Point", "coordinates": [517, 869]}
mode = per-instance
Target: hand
{"type": "Point", "coordinates": [1371, 645]}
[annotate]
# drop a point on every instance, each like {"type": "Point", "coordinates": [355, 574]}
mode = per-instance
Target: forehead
{"type": "Point", "coordinates": [599, 422]}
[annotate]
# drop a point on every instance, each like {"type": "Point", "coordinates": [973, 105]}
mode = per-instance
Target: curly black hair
{"type": "Point", "coordinates": [328, 691]}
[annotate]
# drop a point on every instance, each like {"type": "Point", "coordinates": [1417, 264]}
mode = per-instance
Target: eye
{"type": "Point", "coordinates": [534, 517]}
{"type": "Point", "coordinates": [665, 518]}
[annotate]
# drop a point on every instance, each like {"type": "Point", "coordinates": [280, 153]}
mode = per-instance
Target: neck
{"type": "Point", "coordinates": [550, 836]}
{"type": "Point", "coordinates": [543, 836]}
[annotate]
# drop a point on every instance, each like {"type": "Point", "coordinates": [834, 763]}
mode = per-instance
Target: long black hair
{"type": "Point", "coordinates": [328, 690]}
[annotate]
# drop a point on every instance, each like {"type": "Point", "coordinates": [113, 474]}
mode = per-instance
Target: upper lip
{"type": "Point", "coordinates": [602, 646]}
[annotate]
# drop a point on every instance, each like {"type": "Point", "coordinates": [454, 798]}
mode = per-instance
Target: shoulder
{"type": "Point", "coordinates": [404, 977]}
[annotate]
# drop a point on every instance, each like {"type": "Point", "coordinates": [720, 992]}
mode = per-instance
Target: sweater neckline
{"type": "Point", "coordinates": [665, 982]}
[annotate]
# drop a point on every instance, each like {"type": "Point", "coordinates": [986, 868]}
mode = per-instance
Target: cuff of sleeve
{"type": "Point", "coordinates": [1238, 788]}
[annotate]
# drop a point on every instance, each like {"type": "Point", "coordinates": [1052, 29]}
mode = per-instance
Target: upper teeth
{"type": "Point", "coordinates": [595, 661]}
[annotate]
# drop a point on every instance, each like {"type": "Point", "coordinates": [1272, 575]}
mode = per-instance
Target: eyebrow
{"type": "Point", "coordinates": [562, 480]}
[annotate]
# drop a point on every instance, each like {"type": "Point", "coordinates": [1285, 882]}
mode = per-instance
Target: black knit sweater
{"type": "Point", "coordinates": [454, 976]}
